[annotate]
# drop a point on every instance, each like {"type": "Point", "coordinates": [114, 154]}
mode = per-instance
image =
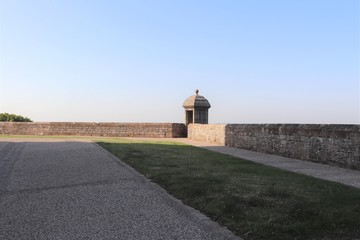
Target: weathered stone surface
{"type": "Point", "coordinates": [330, 144]}
{"type": "Point", "coordinates": [155, 130]}
{"type": "Point", "coordinates": [211, 133]}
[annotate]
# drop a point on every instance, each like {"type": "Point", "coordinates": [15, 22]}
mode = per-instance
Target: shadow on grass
{"type": "Point", "coordinates": [252, 200]}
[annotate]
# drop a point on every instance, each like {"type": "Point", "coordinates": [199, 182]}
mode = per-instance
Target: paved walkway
{"type": "Point", "coordinates": [68, 189]}
{"type": "Point", "coordinates": [326, 172]}
{"type": "Point", "coordinates": [59, 189]}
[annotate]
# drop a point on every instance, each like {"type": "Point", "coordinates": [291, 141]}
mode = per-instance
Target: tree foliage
{"type": "Point", "coordinates": [7, 117]}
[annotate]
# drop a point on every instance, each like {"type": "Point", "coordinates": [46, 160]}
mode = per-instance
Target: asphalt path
{"type": "Point", "coordinates": [59, 189]}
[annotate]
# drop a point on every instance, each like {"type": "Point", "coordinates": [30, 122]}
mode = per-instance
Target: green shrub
{"type": "Point", "coordinates": [7, 117]}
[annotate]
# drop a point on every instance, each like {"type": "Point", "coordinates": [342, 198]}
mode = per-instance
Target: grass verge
{"type": "Point", "coordinates": [252, 200]}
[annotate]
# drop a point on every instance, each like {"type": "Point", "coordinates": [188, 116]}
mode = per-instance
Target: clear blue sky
{"type": "Point", "coordinates": [256, 61]}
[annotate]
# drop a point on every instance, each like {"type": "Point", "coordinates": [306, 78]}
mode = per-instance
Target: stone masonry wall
{"type": "Point", "coordinates": [211, 133]}
{"type": "Point", "coordinates": [331, 144]}
{"type": "Point", "coordinates": [155, 130]}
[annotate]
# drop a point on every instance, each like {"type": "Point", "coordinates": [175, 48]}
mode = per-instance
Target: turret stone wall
{"type": "Point", "coordinates": [211, 133]}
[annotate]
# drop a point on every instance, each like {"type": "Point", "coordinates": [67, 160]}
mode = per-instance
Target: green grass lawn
{"type": "Point", "coordinates": [252, 200]}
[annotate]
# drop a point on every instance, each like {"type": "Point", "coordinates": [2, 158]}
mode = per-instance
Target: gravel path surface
{"type": "Point", "coordinates": [68, 189]}
{"type": "Point", "coordinates": [322, 171]}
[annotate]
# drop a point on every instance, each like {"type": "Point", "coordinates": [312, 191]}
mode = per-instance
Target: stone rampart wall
{"type": "Point", "coordinates": [331, 144]}
{"type": "Point", "coordinates": [211, 133]}
{"type": "Point", "coordinates": [155, 130]}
